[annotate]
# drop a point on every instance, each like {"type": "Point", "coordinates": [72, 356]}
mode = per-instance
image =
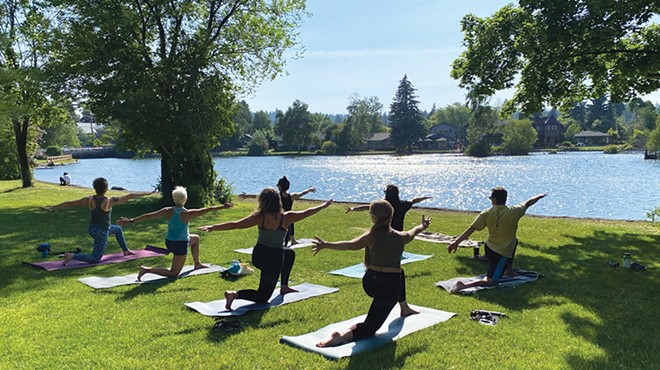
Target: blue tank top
{"type": "Point", "coordinates": [99, 216]}
{"type": "Point", "coordinates": [272, 238]}
{"type": "Point", "coordinates": [177, 230]}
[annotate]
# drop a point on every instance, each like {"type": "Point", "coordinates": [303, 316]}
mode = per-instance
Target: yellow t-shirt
{"type": "Point", "coordinates": [502, 224]}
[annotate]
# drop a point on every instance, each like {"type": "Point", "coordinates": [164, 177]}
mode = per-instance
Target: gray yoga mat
{"type": "Point", "coordinates": [111, 282]}
{"type": "Point", "coordinates": [240, 306]}
{"type": "Point", "coordinates": [357, 271]}
{"type": "Point", "coordinates": [302, 243]}
{"type": "Point", "coordinates": [522, 278]}
{"type": "Point", "coordinates": [395, 327]}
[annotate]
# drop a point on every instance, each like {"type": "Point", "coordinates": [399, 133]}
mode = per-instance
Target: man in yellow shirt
{"type": "Point", "coordinates": [502, 223]}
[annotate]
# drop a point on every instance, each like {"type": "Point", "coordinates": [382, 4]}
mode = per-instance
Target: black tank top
{"type": "Point", "coordinates": [99, 216]}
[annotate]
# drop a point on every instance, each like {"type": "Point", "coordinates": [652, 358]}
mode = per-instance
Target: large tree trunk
{"type": "Point", "coordinates": [166, 181]}
{"type": "Point", "coordinates": [21, 135]}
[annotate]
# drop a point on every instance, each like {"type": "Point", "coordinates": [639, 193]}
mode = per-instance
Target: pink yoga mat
{"type": "Point", "coordinates": [149, 251]}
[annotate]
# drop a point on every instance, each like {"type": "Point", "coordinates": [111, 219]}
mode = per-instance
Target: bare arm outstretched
{"type": "Point", "coordinates": [71, 203]}
{"type": "Point", "coordinates": [531, 201]}
{"type": "Point", "coordinates": [295, 216]}
{"type": "Point", "coordinates": [114, 201]}
{"type": "Point", "coordinates": [243, 223]}
{"type": "Point", "coordinates": [364, 207]}
{"type": "Point", "coordinates": [163, 212]}
{"type": "Point", "coordinates": [420, 199]}
{"type": "Point", "coordinates": [194, 213]}
{"type": "Point", "coordinates": [409, 235]}
{"type": "Point", "coordinates": [296, 196]}
{"type": "Point", "coordinates": [451, 248]}
{"type": "Point", "coordinates": [358, 243]}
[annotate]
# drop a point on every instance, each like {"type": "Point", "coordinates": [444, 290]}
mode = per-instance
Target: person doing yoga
{"type": "Point", "coordinates": [400, 206]}
{"type": "Point", "coordinates": [269, 255]}
{"type": "Point", "coordinates": [384, 280]}
{"type": "Point", "coordinates": [283, 185]}
{"type": "Point", "coordinates": [502, 223]}
{"type": "Point", "coordinates": [178, 237]}
{"type": "Point", "coordinates": [100, 226]}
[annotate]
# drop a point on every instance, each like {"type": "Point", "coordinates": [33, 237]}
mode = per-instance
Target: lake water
{"type": "Point", "coordinates": [588, 184]}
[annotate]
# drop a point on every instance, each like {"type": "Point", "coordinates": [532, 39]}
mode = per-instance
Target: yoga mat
{"type": "Point", "coordinates": [395, 327]}
{"type": "Point", "coordinates": [111, 282]}
{"type": "Point", "coordinates": [524, 277]}
{"type": "Point", "coordinates": [427, 236]}
{"type": "Point", "coordinates": [357, 271]}
{"type": "Point", "coordinates": [302, 243]}
{"type": "Point", "coordinates": [241, 306]}
{"type": "Point", "coordinates": [149, 251]}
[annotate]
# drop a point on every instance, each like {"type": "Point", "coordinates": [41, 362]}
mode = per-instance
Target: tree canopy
{"type": "Point", "coordinates": [295, 125]}
{"type": "Point", "coordinates": [561, 52]}
{"type": "Point", "coordinates": [405, 117]}
{"type": "Point", "coordinates": [166, 72]}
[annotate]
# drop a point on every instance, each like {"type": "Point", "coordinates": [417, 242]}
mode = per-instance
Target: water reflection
{"type": "Point", "coordinates": [622, 186]}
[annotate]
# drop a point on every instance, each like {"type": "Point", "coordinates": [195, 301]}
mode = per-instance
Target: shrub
{"type": "Point", "coordinates": [611, 149]}
{"type": "Point", "coordinates": [552, 151]}
{"type": "Point", "coordinates": [222, 191]}
{"type": "Point", "coordinates": [329, 147]}
{"type": "Point", "coordinates": [258, 145]}
{"type": "Point", "coordinates": [53, 150]}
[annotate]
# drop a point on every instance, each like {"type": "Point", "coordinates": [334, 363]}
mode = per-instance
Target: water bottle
{"type": "Point", "coordinates": [627, 260]}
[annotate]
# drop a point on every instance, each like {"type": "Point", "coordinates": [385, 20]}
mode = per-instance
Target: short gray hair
{"type": "Point", "coordinates": [179, 195]}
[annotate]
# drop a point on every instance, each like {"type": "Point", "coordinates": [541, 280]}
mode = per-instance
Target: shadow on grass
{"type": "Point", "coordinates": [621, 301]}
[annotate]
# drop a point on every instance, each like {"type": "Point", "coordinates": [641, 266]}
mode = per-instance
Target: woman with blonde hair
{"type": "Point", "coordinates": [269, 254]}
{"type": "Point", "coordinates": [384, 279]}
{"type": "Point", "coordinates": [178, 237]}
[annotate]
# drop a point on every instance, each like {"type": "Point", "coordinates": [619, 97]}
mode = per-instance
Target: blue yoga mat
{"type": "Point", "coordinates": [395, 327]}
{"type": "Point", "coordinates": [357, 271]}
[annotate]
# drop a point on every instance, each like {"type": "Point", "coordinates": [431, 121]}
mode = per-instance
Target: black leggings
{"type": "Point", "coordinates": [386, 288]}
{"type": "Point", "coordinates": [272, 262]}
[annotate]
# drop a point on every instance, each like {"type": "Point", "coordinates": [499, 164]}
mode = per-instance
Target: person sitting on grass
{"type": "Point", "coordinates": [400, 207]}
{"type": "Point", "coordinates": [502, 223]}
{"type": "Point", "coordinates": [384, 280]}
{"type": "Point", "coordinates": [178, 237]}
{"type": "Point", "coordinates": [100, 227]}
{"type": "Point", "coordinates": [269, 255]}
{"type": "Point", "coordinates": [283, 185]}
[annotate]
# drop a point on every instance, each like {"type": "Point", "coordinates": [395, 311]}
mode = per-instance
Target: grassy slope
{"type": "Point", "coordinates": [583, 314]}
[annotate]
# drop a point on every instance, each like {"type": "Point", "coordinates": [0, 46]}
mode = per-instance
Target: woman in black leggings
{"type": "Point", "coordinates": [384, 280]}
{"type": "Point", "coordinates": [269, 255]}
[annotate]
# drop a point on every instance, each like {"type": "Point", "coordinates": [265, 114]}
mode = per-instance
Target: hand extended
{"type": "Point", "coordinates": [228, 205]}
{"type": "Point", "coordinates": [318, 245]}
{"type": "Point", "coordinates": [206, 228]}
{"type": "Point", "coordinates": [426, 221]}
{"type": "Point", "coordinates": [123, 221]}
{"type": "Point", "coordinates": [451, 248]}
{"type": "Point", "coordinates": [242, 196]}
{"type": "Point", "coordinates": [348, 209]}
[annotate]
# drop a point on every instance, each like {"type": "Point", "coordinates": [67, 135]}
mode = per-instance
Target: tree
{"type": "Point", "coordinates": [166, 72]}
{"type": "Point", "coordinates": [261, 121]}
{"type": "Point", "coordinates": [259, 144]}
{"type": "Point", "coordinates": [481, 129]}
{"type": "Point", "coordinates": [653, 142]}
{"type": "Point", "coordinates": [561, 52]}
{"type": "Point", "coordinates": [24, 31]}
{"type": "Point", "coordinates": [241, 126]}
{"type": "Point", "coordinates": [362, 121]}
{"type": "Point", "coordinates": [518, 137]}
{"type": "Point", "coordinates": [405, 118]}
{"type": "Point", "coordinates": [295, 125]}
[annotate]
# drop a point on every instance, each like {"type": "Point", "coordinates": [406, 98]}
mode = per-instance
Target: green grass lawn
{"type": "Point", "coordinates": [581, 315]}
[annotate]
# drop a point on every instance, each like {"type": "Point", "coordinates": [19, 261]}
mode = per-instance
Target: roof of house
{"type": "Point", "coordinates": [588, 133]}
{"type": "Point", "coordinates": [379, 136]}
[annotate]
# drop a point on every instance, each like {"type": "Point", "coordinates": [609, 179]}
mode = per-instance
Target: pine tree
{"type": "Point", "coordinates": [405, 119]}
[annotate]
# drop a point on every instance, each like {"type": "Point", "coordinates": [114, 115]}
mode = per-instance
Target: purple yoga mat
{"type": "Point", "coordinates": [149, 251]}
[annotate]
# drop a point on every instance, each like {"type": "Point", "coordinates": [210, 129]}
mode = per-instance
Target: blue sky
{"type": "Point", "coordinates": [365, 47]}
